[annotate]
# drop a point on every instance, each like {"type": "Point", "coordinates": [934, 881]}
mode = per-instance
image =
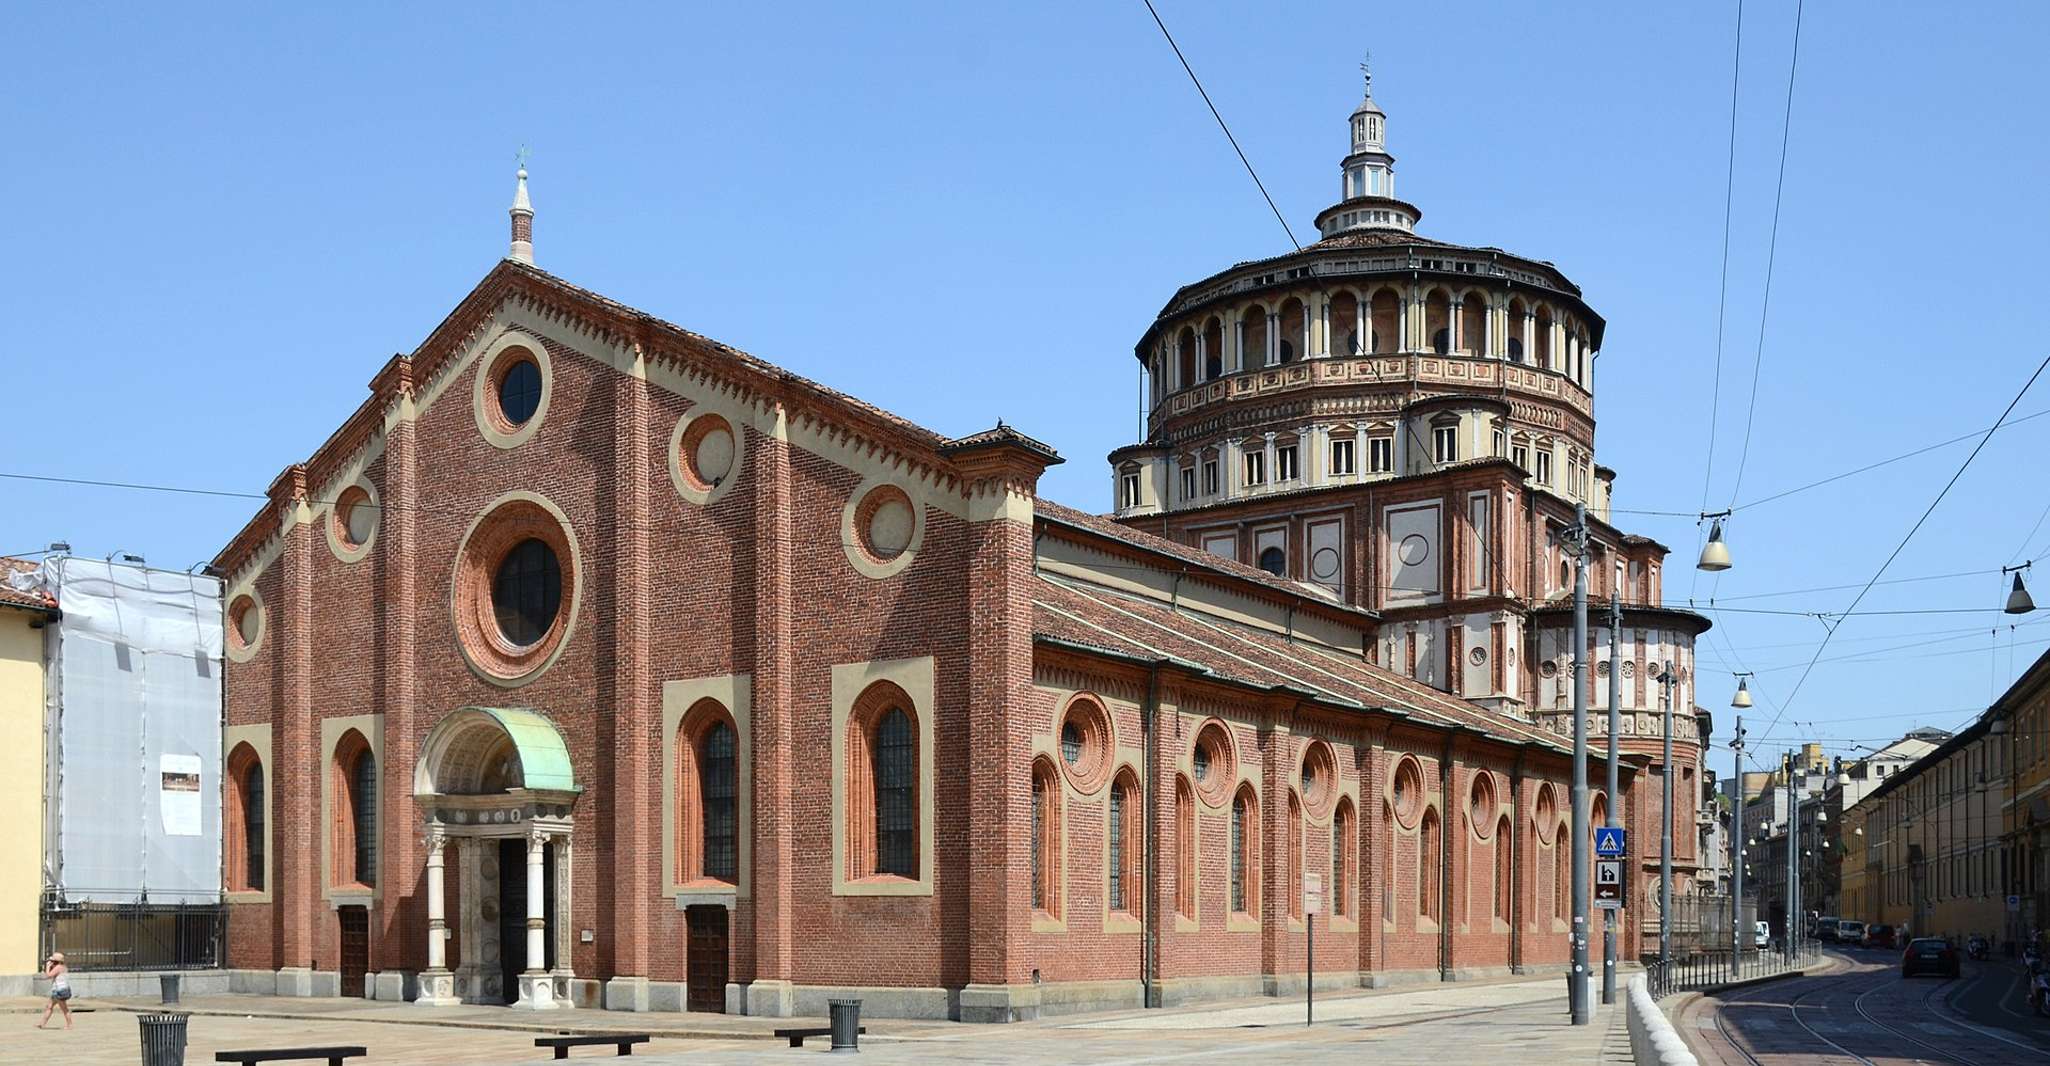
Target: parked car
{"type": "Point", "coordinates": [1850, 931]}
{"type": "Point", "coordinates": [1929, 954]}
{"type": "Point", "coordinates": [1878, 936]}
{"type": "Point", "coordinates": [1823, 927]}
{"type": "Point", "coordinates": [1761, 935]}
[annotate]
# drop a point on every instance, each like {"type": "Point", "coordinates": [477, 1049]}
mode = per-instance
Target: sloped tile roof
{"type": "Point", "coordinates": [13, 597]}
{"type": "Point", "coordinates": [1113, 622]}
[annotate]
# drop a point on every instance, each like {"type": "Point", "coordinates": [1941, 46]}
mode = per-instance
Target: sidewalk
{"type": "Point", "coordinates": [1522, 1021]}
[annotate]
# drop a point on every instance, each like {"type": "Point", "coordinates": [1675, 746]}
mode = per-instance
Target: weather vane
{"type": "Point", "coordinates": [1367, 73]}
{"type": "Point", "coordinates": [522, 156]}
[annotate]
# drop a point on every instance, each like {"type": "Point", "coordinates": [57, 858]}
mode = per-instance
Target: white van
{"type": "Point", "coordinates": [1761, 934]}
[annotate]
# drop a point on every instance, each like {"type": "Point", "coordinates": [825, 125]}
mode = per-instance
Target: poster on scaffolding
{"type": "Point", "coordinates": [178, 796]}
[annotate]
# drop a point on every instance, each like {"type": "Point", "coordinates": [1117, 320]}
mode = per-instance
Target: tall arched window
{"type": "Point", "coordinates": [1291, 853]}
{"type": "Point", "coordinates": [1344, 859]}
{"type": "Point", "coordinates": [1245, 853]}
{"type": "Point", "coordinates": [896, 791]}
{"type": "Point", "coordinates": [354, 856]}
{"type": "Point", "coordinates": [246, 833]}
{"type": "Point", "coordinates": [717, 793]}
{"type": "Point", "coordinates": [1428, 865]}
{"type": "Point", "coordinates": [1125, 832]}
{"type": "Point", "coordinates": [1184, 847]}
{"type": "Point", "coordinates": [1502, 869]}
{"type": "Point", "coordinates": [1563, 870]}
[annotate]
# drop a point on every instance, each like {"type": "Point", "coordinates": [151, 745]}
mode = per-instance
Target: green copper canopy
{"type": "Point", "coordinates": [544, 761]}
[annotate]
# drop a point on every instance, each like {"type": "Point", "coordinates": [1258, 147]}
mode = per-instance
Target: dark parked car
{"type": "Point", "coordinates": [1929, 954]}
{"type": "Point", "coordinates": [1823, 927]}
{"type": "Point", "coordinates": [1879, 936]}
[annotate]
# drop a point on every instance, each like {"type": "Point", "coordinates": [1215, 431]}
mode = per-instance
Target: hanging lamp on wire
{"type": "Point", "coordinates": [2018, 601]}
{"type": "Point", "coordinates": [1743, 697]}
{"type": "Point", "coordinates": [1715, 555]}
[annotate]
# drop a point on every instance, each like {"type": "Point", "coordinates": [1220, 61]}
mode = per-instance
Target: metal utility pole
{"type": "Point", "coordinates": [1793, 812]}
{"type": "Point", "coordinates": [1615, 792]}
{"type": "Point", "coordinates": [1665, 680]}
{"type": "Point", "coordinates": [1574, 540]}
{"type": "Point", "coordinates": [1738, 933]}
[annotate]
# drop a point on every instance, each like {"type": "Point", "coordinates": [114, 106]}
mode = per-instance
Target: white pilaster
{"type": "Point", "coordinates": [537, 992]}
{"type": "Point", "coordinates": [437, 985]}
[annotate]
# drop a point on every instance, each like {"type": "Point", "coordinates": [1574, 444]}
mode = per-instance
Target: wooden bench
{"type": "Point", "coordinates": [623, 1041]}
{"type": "Point", "coordinates": [333, 1055]}
{"type": "Point", "coordinates": [797, 1036]}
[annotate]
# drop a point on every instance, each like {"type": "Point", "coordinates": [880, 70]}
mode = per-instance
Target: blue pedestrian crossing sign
{"type": "Point", "coordinates": [1609, 841]}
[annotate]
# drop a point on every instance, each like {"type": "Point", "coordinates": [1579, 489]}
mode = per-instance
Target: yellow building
{"type": "Point", "coordinates": [22, 618]}
{"type": "Point", "coordinates": [1931, 839]}
{"type": "Point", "coordinates": [1857, 900]}
{"type": "Point", "coordinates": [2023, 712]}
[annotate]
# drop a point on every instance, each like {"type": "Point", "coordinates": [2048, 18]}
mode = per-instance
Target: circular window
{"type": "Point", "coordinates": [1481, 804]}
{"type": "Point", "coordinates": [526, 592]}
{"type": "Point", "coordinates": [1408, 791]}
{"type": "Point", "coordinates": [883, 527]}
{"type": "Point", "coordinates": [515, 589]}
{"type": "Point", "coordinates": [512, 389]}
{"type": "Point", "coordinates": [1274, 561]}
{"type": "Point", "coordinates": [1547, 813]}
{"type": "Point", "coordinates": [1413, 550]}
{"type": "Point", "coordinates": [1085, 741]}
{"type": "Point", "coordinates": [1324, 564]}
{"type": "Point", "coordinates": [355, 517]}
{"type": "Point", "coordinates": [1214, 763]}
{"type": "Point", "coordinates": [519, 391]}
{"type": "Point", "coordinates": [1320, 778]}
{"type": "Point", "coordinates": [1478, 656]}
{"type": "Point", "coordinates": [245, 623]}
{"type": "Point", "coordinates": [706, 452]}
{"type": "Point", "coordinates": [1548, 668]}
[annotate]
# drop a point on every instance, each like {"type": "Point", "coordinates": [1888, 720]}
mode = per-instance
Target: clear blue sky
{"type": "Point", "coordinates": [220, 224]}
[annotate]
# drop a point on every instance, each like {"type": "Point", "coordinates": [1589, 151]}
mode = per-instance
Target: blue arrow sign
{"type": "Point", "coordinates": [1610, 843]}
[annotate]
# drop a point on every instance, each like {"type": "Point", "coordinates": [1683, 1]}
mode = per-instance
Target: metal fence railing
{"type": "Point", "coordinates": [1702, 923]}
{"type": "Point", "coordinates": [1712, 969]}
{"type": "Point", "coordinates": [135, 936]}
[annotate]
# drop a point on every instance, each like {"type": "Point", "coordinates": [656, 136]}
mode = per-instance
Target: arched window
{"type": "Point", "coordinates": [1185, 358]}
{"type": "Point", "coordinates": [1291, 855]}
{"type": "Point", "coordinates": [354, 856]}
{"type": "Point", "coordinates": [246, 834]}
{"type": "Point", "coordinates": [1274, 561]}
{"type": "Point", "coordinates": [1563, 854]}
{"type": "Point", "coordinates": [717, 794]}
{"type": "Point", "coordinates": [1428, 865]}
{"type": "Point", "coordinates": [1386, 321]}
{"type": "Point", "coordinates": [1502, 869]}
{"type": "Point", "coordinates": [1344, 859]}
{"type": "Point", "coordinates": [896, 791]}
{"type": "Point", "coordinates": [1184, 847]}
{"type": "Point", "coordinates": [1515, 349]}
{"type": "Point", "coordinates": [1046, 838]}
{"type": "Point", "coordinates": [1245, 853]}
{"type": "Point", "coordinates": [1473, 323]}
{"type": "Point", "coordinates": [1213, 349]}
{"type": "Point", "coordinates": [1124, 843]}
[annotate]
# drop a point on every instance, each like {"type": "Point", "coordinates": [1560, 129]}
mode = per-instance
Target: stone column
{"type": "Point", "coordinates": [1530, 337]}
{"type": "Point", "coordinates": [1273, 355]}
{"type": "Point", "coordinates": [1324, 323]}
{"type": "Point", "coordinates": [1361, 329]}
{"type": "Point", "coordinates": [1452, 326]}
{"type": "Point", "coordinates": [537, 992]}
{"type": "Point", "coordinates": [437, 985]}
{"type": "Point", "coordinates": [1487, 331]}
{"type": "Point", "coordinates": [1271, 472]}
{"type": "Point", "coordinates": [1202, 359]}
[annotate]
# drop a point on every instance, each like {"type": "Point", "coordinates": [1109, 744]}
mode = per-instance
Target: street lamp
{"type": "Point", "coordinates": [2018, 601]}
{"type": "Point", "coordinates": [1743, 697]}
{"type": "Point", "coordinates": [1715, 555]}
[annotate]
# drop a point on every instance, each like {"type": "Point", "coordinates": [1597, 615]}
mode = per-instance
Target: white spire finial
{"type": "Point", "coordinates": [522, 213]}
{"type": "Point", "coordinates": [1367, 73]}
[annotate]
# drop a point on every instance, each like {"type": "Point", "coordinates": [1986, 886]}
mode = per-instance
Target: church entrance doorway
{"type": "Point", "coordinates": [706, 960]}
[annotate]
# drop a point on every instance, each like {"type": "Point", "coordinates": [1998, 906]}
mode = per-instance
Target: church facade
{"type": "Point", "coordinates": [595, 662]}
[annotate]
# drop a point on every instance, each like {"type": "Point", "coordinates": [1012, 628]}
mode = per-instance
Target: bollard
{"type": "Point", "coordinates": [846, 1017]}
{"type": "Point", "coordinates": [163, 1039]}
{"type": "Point", "coordinates": [169, 983]}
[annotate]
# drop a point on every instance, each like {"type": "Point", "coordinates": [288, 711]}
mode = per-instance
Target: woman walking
{"type": "Point", "coordinates": [60, 989]}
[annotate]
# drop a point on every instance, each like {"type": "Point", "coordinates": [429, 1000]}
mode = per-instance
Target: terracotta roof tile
{"type": "Point", "coordinates": [1127, 625]}
{"type": "Point", "coordinates": [14, 597]}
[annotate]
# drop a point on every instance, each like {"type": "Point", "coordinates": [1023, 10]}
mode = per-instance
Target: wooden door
{"type": "Point", "coordinates": [512, 915]}
{"type": "Point", "coordinates": [355, 948]}
{"type": "Point", "coordinates": [707, 959]}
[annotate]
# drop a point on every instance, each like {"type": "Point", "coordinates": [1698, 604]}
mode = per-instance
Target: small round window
{"type": "Point", "coordinates": [355, 517]}
{"type": "Point", "coordinates": [1085, 742]}
{"type": "Point", "coordinates": [1211, 759]}
{"type": "Point", "coordinates": [1320, 778]}
{"type": "Point", "coordinates": [885, 523]}
{"type": "Point", "coordinates": [245, 622]}
{"type": "Point", "coordinates": [1274, 561]}
{"type": "Point", "coordinates": [519, 391]}
{"type": "Point", "coordinates": [526, 592]}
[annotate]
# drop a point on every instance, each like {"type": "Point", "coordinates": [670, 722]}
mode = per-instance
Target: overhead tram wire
{"type": "Point", "coordinates": [1221, 125]}
{"type": "Point", "coordinates": [1902, 546]}
{"type": "Point", "coordinates": [1771, 253]}
{"type": "Point", "coordinates": [1723, 297]}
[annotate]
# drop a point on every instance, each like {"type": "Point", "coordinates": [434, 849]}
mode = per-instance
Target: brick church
{"type": "Point", "coordinates": [609, 665]}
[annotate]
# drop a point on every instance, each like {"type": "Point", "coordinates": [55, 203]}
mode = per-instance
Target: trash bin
{"type": "Point", "coordinates": [846, 1014]}
{"type": "Point", "coordinates": [163, 1039]}
{"type": "Point", "coordinates": [170, 983]}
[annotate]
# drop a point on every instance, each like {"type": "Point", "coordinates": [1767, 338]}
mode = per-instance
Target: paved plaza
{"type": "Point", "coordinates": [1521, 1022]}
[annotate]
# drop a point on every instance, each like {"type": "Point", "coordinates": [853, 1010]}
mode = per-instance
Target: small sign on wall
{"type": "Point", "coordinates": [178, 795]}
{"type": "Point", "coordinates": [1313, 893]}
